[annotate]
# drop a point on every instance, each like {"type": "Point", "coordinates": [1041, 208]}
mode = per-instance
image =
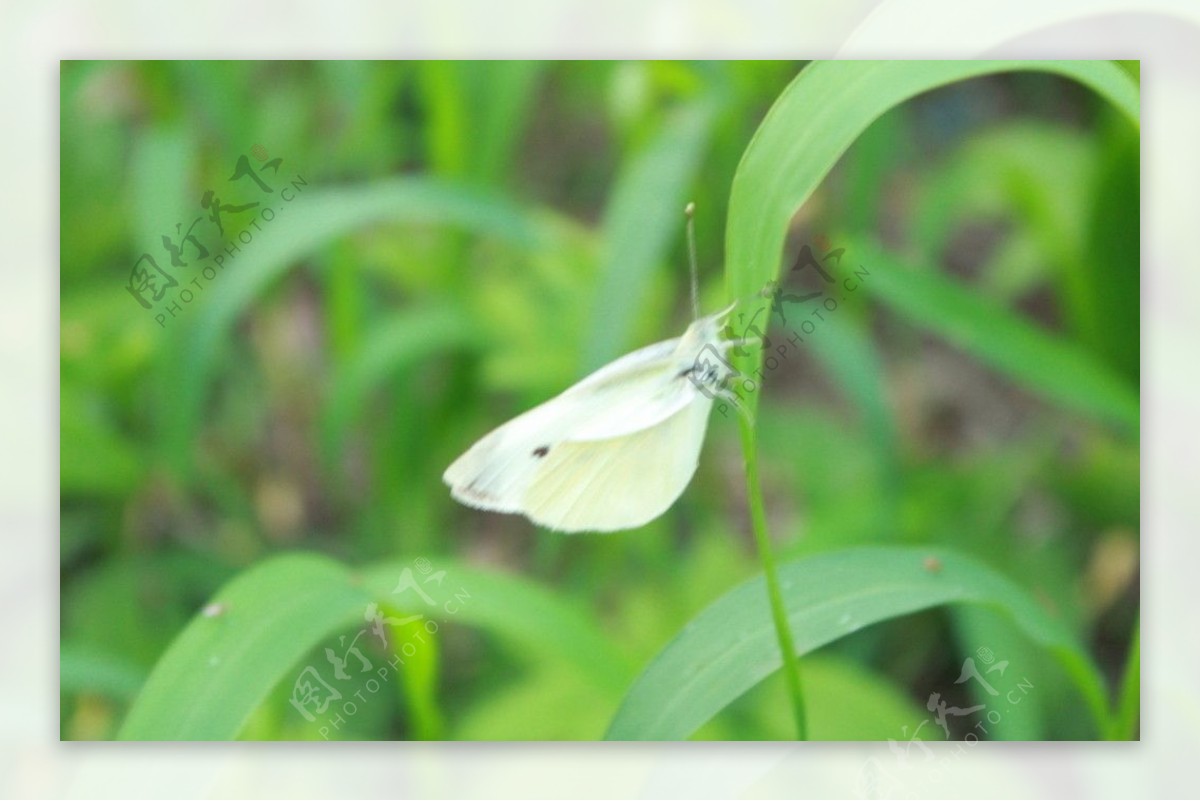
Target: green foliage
{"type": "Point", "coordinates": [639, 224]}
{"type": "Point", "coordinates": [465, 240]}
{"type": "Point", "coordinates": [229, 657]}
{"type": "Point", "coordinates": [815, 121]}
{"type": "Point", "coordinates": [730, 646]}
{"type": "Point", "coordinates": [1063, 372]}
{"type": "Point", "coordinates": [258, 628]}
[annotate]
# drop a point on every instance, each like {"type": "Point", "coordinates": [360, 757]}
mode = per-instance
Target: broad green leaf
{"type": "Point", "coordinates": [731, 646]}
{"type": "Point", "coordinates": [223, 665]}
{"type": "Point", "coordinates": [883, 146]}
{"type": "Point", "coordinates": [980, 628]}
{"type": "Point", "coordinates": [821, 113]}
{"type": "Point", "coordinates": [843, 701]}
{"type": "Point", "coordinates": [1059, 370]}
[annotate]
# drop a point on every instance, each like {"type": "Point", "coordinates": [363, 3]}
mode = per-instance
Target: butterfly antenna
{"type": "Point", "coordinates": [689, 211]}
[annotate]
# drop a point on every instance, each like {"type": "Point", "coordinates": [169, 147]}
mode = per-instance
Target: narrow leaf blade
{"type": "Point", "coordinates": [730, 646]}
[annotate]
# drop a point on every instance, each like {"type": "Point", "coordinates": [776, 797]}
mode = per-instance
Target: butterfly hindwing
{"type": "Point", "coordinates": [619, 483]}
{"type": "Point", "coordinates": [632, 393]}
{"type": "Point", "coordinates": [496, 472]}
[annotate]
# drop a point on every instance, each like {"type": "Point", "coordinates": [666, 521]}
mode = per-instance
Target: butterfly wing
{"type": "Point", "coordinates": [622, 482]}
{"type": "Point", "coordinates": [632, 393]}
{"type": "Point", "coordinates": [497, 470]}
{"type": "Point", "coordinates": [613, 451]}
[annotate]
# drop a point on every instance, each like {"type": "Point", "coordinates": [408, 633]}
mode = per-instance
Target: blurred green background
{"type": "Point", "coordinates": [464, 240]}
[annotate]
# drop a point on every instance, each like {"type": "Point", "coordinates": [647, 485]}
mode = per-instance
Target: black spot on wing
{"type": "Point", "coordinates": [541, 451]}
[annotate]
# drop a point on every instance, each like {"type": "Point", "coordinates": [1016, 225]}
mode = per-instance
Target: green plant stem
{"type": "Point", "coordinates": [1125, 724]}
{"type": "Point", "coordinates": [758, 521]}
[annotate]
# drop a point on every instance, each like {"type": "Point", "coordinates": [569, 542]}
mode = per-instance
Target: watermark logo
{"type": "Point", "coordinates": [914, 760]}
{"type": "Point", "coordinates": [204, 247]}
{"type": "Point", "coordinates": [325, 695]}
{"type": "Point", "coordinates": [813, 284]}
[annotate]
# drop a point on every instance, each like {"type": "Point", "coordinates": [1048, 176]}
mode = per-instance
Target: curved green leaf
{"type": "Point", "coordinates": [815, 120]}
{"type": "Point", "coordinates": [731, 646]}
{"type": "Point", "coordinates": [224, 664]}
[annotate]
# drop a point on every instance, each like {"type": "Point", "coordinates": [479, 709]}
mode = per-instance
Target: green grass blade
{"type": "Point", "coordinates": [1061, 371]}
{"type": "Point", "coordinates": [221, 667]}
{"type": "Point", "coordinates": [730, 646]}
{"type": "Point", "coordinates": [816, 119]}
{"type": "Point", "coordinates": [1129, 704]}
{"type": "Point", "coordinates": [447, 106]}
{"type": "Point", "coordinates": [978, 627]}
{"type": "Point", "coordinates": [508, 88]}
{"type": "Point", "coordinates": [418, 680]}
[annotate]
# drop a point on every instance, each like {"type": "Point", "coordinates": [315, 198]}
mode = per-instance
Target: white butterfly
{"type": "Point", "coordinates": [612, 452]}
